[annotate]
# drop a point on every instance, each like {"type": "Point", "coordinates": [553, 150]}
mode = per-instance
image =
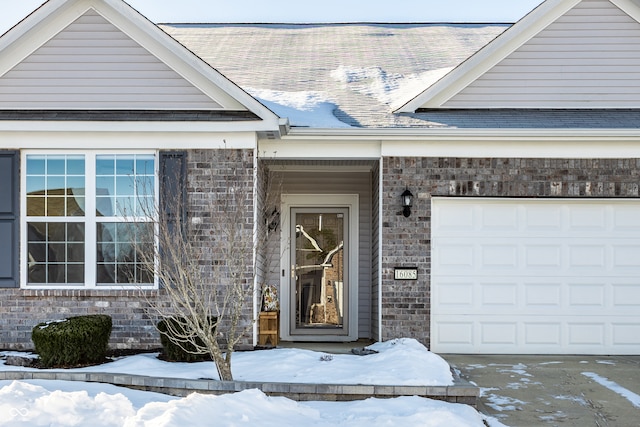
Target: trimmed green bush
{"type": "Point", "coordinates": [75, 341]}
{"type": "Point", "coordinates": [172, 351]}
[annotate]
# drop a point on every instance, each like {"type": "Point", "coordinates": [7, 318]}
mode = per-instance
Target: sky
{"type": "Point", "coordinates": [296, 11]}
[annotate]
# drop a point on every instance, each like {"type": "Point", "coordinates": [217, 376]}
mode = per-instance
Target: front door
{"type": "Point", "coordinates": [319, 271]}
{"type": "Point", "coordinates": [319, 281]}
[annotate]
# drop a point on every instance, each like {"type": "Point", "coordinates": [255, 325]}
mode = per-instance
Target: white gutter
{"type": "Point", "coordinates": [422, 134]}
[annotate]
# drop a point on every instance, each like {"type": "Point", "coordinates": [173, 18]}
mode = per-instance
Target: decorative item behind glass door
{"type": "Point", "coordinates": [319, 271]}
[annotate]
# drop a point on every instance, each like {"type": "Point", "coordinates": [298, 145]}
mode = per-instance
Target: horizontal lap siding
{"type": "Point", "coordinates": [375, 255]}
{"type": "Point", "coordinates": [590, 57]}
{"type": "Point", "coordinates": [92, 64]}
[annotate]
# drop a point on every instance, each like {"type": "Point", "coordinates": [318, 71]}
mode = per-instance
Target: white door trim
{"type": "Point", "coordinates": [288, 201]}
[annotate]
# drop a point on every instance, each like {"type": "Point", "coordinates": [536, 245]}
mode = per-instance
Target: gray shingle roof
{"type": "Point", "coordinates": [366, 70]}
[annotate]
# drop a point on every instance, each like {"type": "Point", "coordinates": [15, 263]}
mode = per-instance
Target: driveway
{"type": "Point", "coordinates": [583, 391]}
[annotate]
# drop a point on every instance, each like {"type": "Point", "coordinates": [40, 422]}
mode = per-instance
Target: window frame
{"type": "Point", "coordinates": [90, 220]}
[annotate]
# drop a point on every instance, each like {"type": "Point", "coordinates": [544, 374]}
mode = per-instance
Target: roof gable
{"type": "Point", "coordinates": [565, 54]}
{"type": "Point", "coordinates": [103, 55]}
{"type": "Point", "coordinates": [91, 64]}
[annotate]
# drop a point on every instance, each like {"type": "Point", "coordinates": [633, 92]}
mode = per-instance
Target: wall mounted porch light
{"type": "Point", "coordinates": [407, 202]}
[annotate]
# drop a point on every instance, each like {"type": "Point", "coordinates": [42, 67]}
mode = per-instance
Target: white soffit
{"type": "Point", "coordinates": [548, 13]}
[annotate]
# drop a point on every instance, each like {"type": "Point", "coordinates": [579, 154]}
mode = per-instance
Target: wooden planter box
{"type": "Point", "coordinates": [268, 327]}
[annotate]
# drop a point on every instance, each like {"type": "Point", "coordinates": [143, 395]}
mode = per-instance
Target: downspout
{"type": "Point", "coordinates": [380, 221]}
{"type": "Point", "coordinates": [256, 230]}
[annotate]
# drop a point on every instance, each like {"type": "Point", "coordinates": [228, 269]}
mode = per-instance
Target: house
{"type": "Point", "coordinates": [520, 147]}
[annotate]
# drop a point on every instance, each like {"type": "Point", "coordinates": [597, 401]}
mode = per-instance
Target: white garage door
{"type": "Point", "coordinates": [535, 276]}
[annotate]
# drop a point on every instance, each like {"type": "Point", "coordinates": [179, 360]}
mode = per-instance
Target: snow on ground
{"type": "Point", "coordinates": [580, 400]}
{"type": "Point", "coordinates": [504, 403]}
{"type": "Point", "coordinates": [615, 387]}
{"type": "Point", "coordinates": [399, 362]}
{"type": "Point", "coordinates": [59, 403]}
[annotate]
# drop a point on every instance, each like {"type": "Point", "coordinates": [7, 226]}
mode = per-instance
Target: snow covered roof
{"type": "Point", "coordinates": [336, 75]}
{"type": "Point", "coordinates": [356, 75]}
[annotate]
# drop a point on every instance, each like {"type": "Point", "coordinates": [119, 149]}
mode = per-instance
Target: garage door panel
{"type": "Point", "coordinates": [453, 220]}
{"type": "Point", "coordinates": [456, 295]}
{"type": "Point", "coordinates": [587, 255]}
{"type": "Point", "coordinates": [499, 255]}
{"type": "Point", "coordinates": [558, 256]}
{"type": "Point", "coordinates": [453, 255]}
{"type": "Point", "coordinates": [625, 334]}
{"type": "Point", "coordinates": [625, 219]}
{"type": "Point", "coordinates": [587, 217]}
{"type": "Point", "coordinates": [536, 276]}
{"type": "Point", "coordinates": [455, 333]}
{"type": "Point", "coordinates": [540, 256]}
{"type": "Point", "coordinates": [626, 255]}
{"type": "Point", "coordinates": [626, 295]}
{"type": "Point", "coordinates": [537, 296]}
{"type": "Point", "coordinates": [543, 295]}
{"type": "Point", "coordinates": [499, 296]}
{"type": "Point", "coordinates": [543, 219]}
{"type": "Point", "coordinates": [586, 295]}
{"type": "Point", "coordinates": [543, 333]}
{"type": "Point", "coordinates": [494, 218]}
{"type": "Point", "coordinates": [498, 333]}
{"type": "Point", "coordinates": [550, 334]}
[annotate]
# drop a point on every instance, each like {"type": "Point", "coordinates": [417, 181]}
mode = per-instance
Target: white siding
{"type": "Point", "coordinates": [588, 58]}
{"type": "Point", "coordinates": [91, 64]}
{"type": "Point", "coordinates": [375, 254]}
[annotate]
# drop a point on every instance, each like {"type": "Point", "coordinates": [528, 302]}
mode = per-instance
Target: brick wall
{"type": "Point", "coordinates": [215, 210]}
{"type": "Point", "coordinates": [407, 241]}
{"type": "Point", "coordinates": [209, 171]}
{"type": "Point", "coordinates": [21, 310]}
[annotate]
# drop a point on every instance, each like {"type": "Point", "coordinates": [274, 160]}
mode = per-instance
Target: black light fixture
{"type": "Point", "coordinates": [407, 202]}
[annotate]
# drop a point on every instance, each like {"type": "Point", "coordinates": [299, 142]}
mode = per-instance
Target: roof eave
{"type": "Point", "coordinates": [443, 134]}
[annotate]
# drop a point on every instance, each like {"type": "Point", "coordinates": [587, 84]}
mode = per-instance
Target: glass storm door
{"type": "Point", "coordinates": [319, 271]}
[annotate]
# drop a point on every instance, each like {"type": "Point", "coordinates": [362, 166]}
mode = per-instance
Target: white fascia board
{"type": "Point", "coordinates": [36, 29]}
{"type": "Point", "coordinates": [325, 149]}
{"type": "Point", "coordinates": [629, 7]}
{"type": "Point", "coordinates": [394, 134]}
{"type": "Point", "coordinates": [135, 126]}
{"type": "Point", "coordinates": [487, 57]}
{"type": "Point", "coordinates": [126, 140]}
{"type": "Point", "coordinates": [531, 143]}
{"type": "Point", "coordinates": [555, 148]}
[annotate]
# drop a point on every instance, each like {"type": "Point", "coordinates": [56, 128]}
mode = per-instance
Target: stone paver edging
{"type": "Point", "coordinates": [460, 392]}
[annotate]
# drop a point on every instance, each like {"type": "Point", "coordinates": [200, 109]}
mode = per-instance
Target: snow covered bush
{"type": "Point", "coordinates": [72, 342]}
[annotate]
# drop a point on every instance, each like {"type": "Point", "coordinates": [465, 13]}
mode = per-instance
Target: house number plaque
{"type": "Point", "coordinates": [405, 273]}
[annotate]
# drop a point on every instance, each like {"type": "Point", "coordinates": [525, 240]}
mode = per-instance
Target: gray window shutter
{"type": "Point", "coordinates": [173, 186]}
{"type": "Point", "coordinates": [9, 219]}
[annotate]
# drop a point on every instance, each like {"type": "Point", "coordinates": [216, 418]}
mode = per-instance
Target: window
{"type": "Point", "coordinates": [86, 216]}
